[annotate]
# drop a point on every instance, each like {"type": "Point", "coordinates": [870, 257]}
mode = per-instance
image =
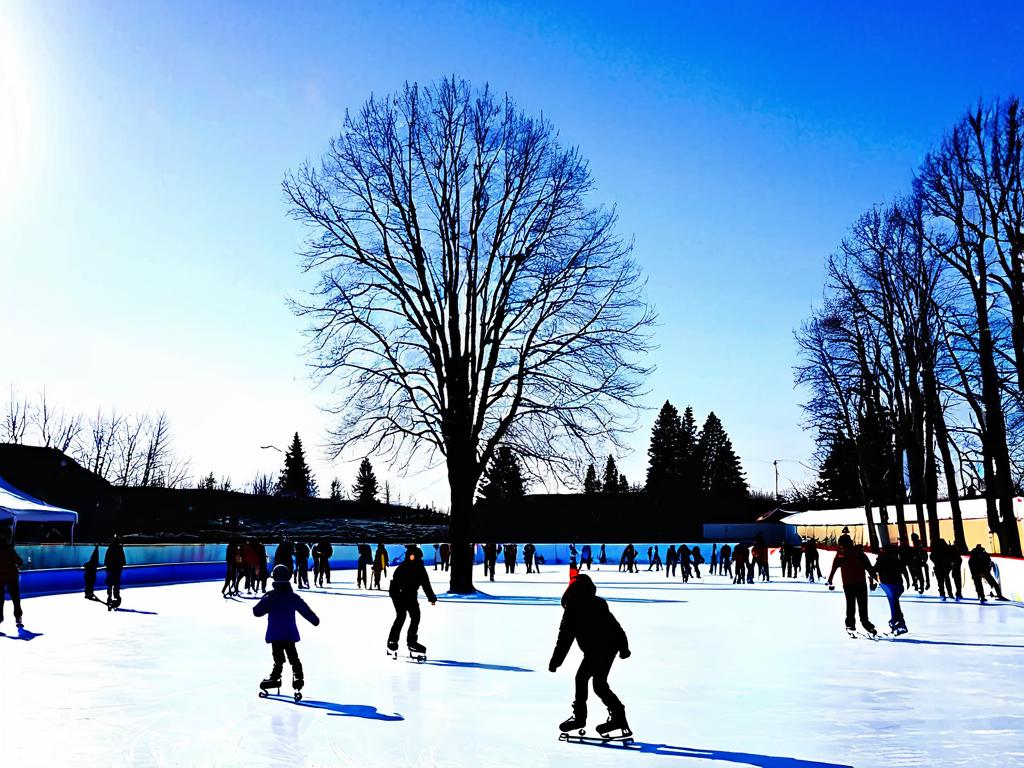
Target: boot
{"type": "Point", "coordinates": [273, 679]}
{"type": "Point", "coordinates": [416, 647]}
{"type": "Point", "coordinates": [577, 720]}
{"type": "Point", "coordinates": [392, 645]}
{"type": "Point", "coordinates": [616, 721]}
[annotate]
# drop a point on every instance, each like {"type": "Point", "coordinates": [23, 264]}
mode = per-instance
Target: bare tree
{"type": "Point", "coordinates": [263, 485]}
{"type": "Point", "coordinates": [469, 292]}
{"type": "Point", "coordinates": [17, 418]}
{"type": "Point", "coordinates": [57, 429]}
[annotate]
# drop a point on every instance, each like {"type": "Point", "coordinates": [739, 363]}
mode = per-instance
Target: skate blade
{"type": "Point", "coordinates": [623, 739]}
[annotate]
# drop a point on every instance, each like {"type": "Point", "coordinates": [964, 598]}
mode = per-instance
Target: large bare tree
{"type": "Point", "coordinates": [470, 291]}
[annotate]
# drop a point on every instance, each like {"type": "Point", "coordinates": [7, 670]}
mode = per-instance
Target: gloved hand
{"type": "Point", "coordinates": [625, 653]}
{"type": "Point", "coordinates": [552, 667]}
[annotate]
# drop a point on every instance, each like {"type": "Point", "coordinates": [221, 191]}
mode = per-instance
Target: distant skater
{"type": "Point", "coordinates": [890, 569]}
{"type": "Point", "coordinates": [811, 560]}
{"type": "Point", "coordinates": [490, 559]}
{"type": "Point", "coordinates": [446, 555]}
{"type": "Point", "coordinates": [684, 562]}
{"type": "Point", "coordinates": [302, 565]}
{"type": "Point", "coordinates": [409, 577]}
{"type": "Point", "coordinates": [698, 560]}
{"type": "Point", "coordinates": [671, 557]}
{"type": "Point", "coordinates": [724, 563]}
{"type": "Point", "coordinates": [380, 565]}
{"type": "Point", "coordinates": [280, 606]}
{"type": "Point", "coordinates": [90, 568]}
{"type": "Point", "coordinates": [528, 552]}
{"type": "Point", "coordinates": [942, 558]}
{"type": "Point", "coordinates": [114, 561]}
{"type": "Point", "coordinates": [363, 565]}
{"type": "Point", "coordinates": [602, 558]}
{"type": "Point", "coordinates": [980, 565]}
{"type": "Point", "coordinates": [586, 557]}
{"type": "Point", "coordinates": [853, 564]}
{"type": "Point", "coordinates": [713, 567]}
{"type": "Point", "coordinates": [740, 555]}
{"type": "Point", "coordinates": [588, 621]}
{"type": "Point", "coordinates": [10, 563]}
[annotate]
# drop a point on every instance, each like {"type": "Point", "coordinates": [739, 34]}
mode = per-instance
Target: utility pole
{"type": "Point", "coordinates": [776, 465]}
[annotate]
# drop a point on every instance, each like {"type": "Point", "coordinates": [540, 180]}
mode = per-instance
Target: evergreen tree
{"type": "Point", "coordinates": [611, 476]}
{"type": "Point", "coordinates": [686, 455]}
{"type": "Point", "coordinates": [838, 477]}
{"type": "Point", "coordinates": [337, 492]}
{"type": "Point", "coordinates": [591, 484]}
{"type": "Point", "coordinates": [623, 484]}
{"type": "Point", "coordinates": [663, 468]}
{"type": "Point", "coordinates": [208, 483]}
{"type": "Point", "coordinates": [365, 488]}
{"type": "Point", "coordinates": [718, 471]}
{"type": "Point", "coordinates": [503, 478]}
{"type": "Point", "coordinates": [296, 479]}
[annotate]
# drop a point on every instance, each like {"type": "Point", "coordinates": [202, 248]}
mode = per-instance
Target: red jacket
{"type": "Point", "coordinates": [853, 565]}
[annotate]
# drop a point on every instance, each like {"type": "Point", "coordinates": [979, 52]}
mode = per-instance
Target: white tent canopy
{"type": "Point", "coordinates": [970, 509]}
{"type": "Point", "coordinates": [18, 507]}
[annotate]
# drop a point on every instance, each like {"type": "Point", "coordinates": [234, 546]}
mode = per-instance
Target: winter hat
{"type": "Point", "coordinates": [281, 574]}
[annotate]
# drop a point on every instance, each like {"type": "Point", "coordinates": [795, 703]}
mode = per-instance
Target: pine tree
{"type": "Point", "coordinates": [296, 480]}
{"type": "Point", "coordinates": [611, 476]}
{"type": "Point", "coordinates": [591, 484]}
{"type": "Point", "coordinates": [365, 488]}
{"type": "Point", "coordinates": [337, 492]}
{"type": "Point", "coordinates": [663, 468]}
{"type": "Point", "coordinates": [686, 456]}
{"type": "Point", "coordinates": [623, 484]}
{"type": "Point", "coordinates": [503, 478]}
{"type": "Point", "coordinates": [718, 471]}
{"type": "Point", "coordinates": [208, 483]}
{"type": "Point", "coordinates": [838, 477]}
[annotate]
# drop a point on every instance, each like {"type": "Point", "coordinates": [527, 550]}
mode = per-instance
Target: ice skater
{"type": "Point", "coordinates": [602, 558]}
{"type": "Point", "coordinates": [490, 559]}
{"type": "Point", "coordinates": [586, 557]}
{"type": "Point", "coordinates": [528, 552]}
{"type": "Point", "coordinates": [404, 589]}
{"type": "Point", "coordinates": [362, 567]}
{"type": "Point", "coordinates": [980, 565]}
{"type": "Point", "coordinates": [588, 621]}
{"type": "Point", "coordinates": [811, 560]}
{"type": "Point", "coordinates": [114, 561]}
{"type": "Point", "coordinates": [446, 554]}
{"type": "Point", "coordinates": [853, 564]}
{"type": "Point", "coordinates": [684, 562]}
{"type": "Point", "coordinates": [725, 564]}
{"type": "Point", "coordinates": [671, 558]}
{"type": "Point", "coordinates": [302, 565]}
{"type": "Point", "coordinates": [280, 606]}
{"type": "Point", "coordinates": [942, 563]}
{"type": "Point", "coordinates": [90, 568]}
{"type": "Point", "coordinates": [10, 562]}
{"type": "Point", "coordinates": [891, 569]}
{"type": "Point", "coordinates": [380, 565]}
{"type": "Point", "coordinates": [713, 568]}
{"type": "Point", "coordinates": [698, 560]}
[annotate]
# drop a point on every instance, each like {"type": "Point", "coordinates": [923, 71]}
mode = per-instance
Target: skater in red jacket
{"type": "Point", "coordinates": [854, 564]}
{"type": "Point", "coordinates": [587, 621]}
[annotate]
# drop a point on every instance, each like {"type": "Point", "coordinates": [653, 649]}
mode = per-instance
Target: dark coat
{"type": "Point", "coordinates": [284, 553]}
{"type": "Point", "coordinates": [980, 562]}
{"type": "Point", "coordinates": [10, 562]}
{"type": "Point", "coordinates": [889, 567]}
{"type": "Point", "coordinates": [280, 606]}
{"type": "Point", "coordinates": [93, 563]}
{"type": "Point", "coordinates": [114, 559]}
{"type": "Point", "coordinates": [587, 621]}
{"type": "Point", "coordinates": [407, 579]}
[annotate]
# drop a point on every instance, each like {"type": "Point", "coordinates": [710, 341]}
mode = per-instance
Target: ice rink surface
{"type": "Point", "coordinates": [721, 675]}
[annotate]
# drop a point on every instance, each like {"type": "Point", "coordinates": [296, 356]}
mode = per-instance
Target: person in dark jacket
{"type": "Point", "coordinates": [725, 562]}
{"type": "Point", "coordinates": [683, 553]}
{"type": "Point", "coordinates": [942, 565]}
{"type": "Point", "coordinates": [587, 621]}
{"type": "Point", "coordinates": [490, 559]}
{"type": "Point", "coordinates": [264, 574]}
{"type": "Point", "coordinates": [713, 567]}
{"type": "Point", "coordinates": [586, 556]}
{"type": "Point", "coordinates": [280, 606]}
{"type": "Point", "coordinates": [851, 561]}
{"type": "Point", "coordinates": [811, 560]}
{"type": "Point", "coordinates": [302, 565]}
{"type": "Point", "coordinates": [91, 566]}
{"type": "Point", "coordinates": [10, 562]}
{"type": "Point", "coordinates": [284, 555]}
{"type": "Point", "coordinates": [229, 573]}
{"type": "Point", "coordinates": [740, 556]}
{"type": "Point", "coordinates": [602, 558]}
{"type": "Point", "coordinates": [671, 558]}
{"type": "Point", "coordinates": [404, 589]}
{"type": "Point", "coordinates": [363, 566]}
{"type": "Point", "coordinates": [980, 565]}
{"type": "Point", "coordinates": [114, 561]}
{"type": "Point", "coordinates": [890, 569]}
{"type": "Point", "coordinates": [698, 560]}
{"type": "Point", "coordinates": [446, 554]}
{"type": "Point", "coordinates": [528, 552]}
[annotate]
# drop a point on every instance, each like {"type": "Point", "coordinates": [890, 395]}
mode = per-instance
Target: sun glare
{"type": "Point", "coordinates": [15, 114]}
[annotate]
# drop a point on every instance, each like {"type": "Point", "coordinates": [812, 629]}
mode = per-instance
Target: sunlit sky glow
{"type": "Point", "coordinates": [145, 254]}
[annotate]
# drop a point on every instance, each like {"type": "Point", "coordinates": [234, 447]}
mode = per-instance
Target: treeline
{"type": "Point", "coordinates": [123, 449]}
{"type": "Point", "coordinates": [915, 360]}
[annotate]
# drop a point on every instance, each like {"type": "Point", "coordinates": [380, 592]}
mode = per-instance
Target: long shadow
{"type": "Point", "coordinates": [375, 594]}
{"type": "Point", "coordinates": [23, 634]}
{"type": "Point", "coordinates": [135, 610]}
{"type": "Point", "coordinates": [363, 711]}
{"type": "Point", "coordinates": [476, 665]}
{"type": "Point", "coordinates": [918, 641]}
{"type": "Point", "coordinates": [738, 758]}
{"type": "Point", "coordinates": [486, 599]}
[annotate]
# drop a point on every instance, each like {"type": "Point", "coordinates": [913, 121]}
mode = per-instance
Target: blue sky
{"type": "Point", "coordinates": [145, 254]}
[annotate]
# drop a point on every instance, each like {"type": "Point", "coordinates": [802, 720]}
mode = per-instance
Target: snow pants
{"type": "Point", "coordinates": [281, 650]}
{"type": "Point", "coordinates": [405, 607]}
{"type": "Point", "coordinates": [595, 667]}
{"type": "Point", "coordinates": [10, 586]}
{"type": "Point", "coordinates": [857, 600]}
{"type": "Point", "coordinates": [892, 593]}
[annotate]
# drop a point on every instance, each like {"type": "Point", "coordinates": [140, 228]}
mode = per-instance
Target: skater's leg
{"type": "Point", "coordinates": [15, 594]}
{"type": "Point", "coordinates": [862, 607]}
{"type": "Point", "coordinates": [599, 670]}
{"type": "Point", "coordinates": [851, 607]}
{"type": "Point", "coordinates": [977, 586]}
{"type": "Point", "coordinates": [988, 577]}
{"type": "Point", "coordinates": [293, 658]}
{"type": "Point", "coordinates": [278, 653]}
{"type": "Point", "coordinates": [414, 621]}
{"type": "Point", "coordinates": [396, 627]}
{"type": "Point", "coordinates": [583, 675]}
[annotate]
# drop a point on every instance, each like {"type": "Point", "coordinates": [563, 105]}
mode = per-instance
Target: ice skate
{"type": "Point", "coordinates": [272, 682]}
{"type": "Point", "coordinates": [19, 623]}
{"type": "Point", "coordinates": [297, 683]}
{"type": "Point", "coordinates": [616, 728]}
{"type": "Point", "coordinates": [576, 721]}
{"type": "Point", "coordinates": [417, 651]}
{"type": "Point", "coordinates": [393, 649]}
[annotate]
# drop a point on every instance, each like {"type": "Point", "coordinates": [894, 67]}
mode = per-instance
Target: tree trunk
{"type": "Point", "coordinates": [948, 467]}
{"type": "Point", "coordinates": [462, 483]}
{"type": "Point", "coordinates": [931, 483]}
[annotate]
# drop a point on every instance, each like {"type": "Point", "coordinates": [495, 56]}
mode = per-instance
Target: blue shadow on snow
{"type": "Point", "coordinates": [23, 634]}
{"type": "Point", "coordinates": [737, 758]}
{"type": "Point", "coordinates": [475, 665]}
{"type": "Point", "coordinates": [135, 610]}
{"type": "Point", "coordinates": [486, 599]}
{"type": "Point", "coordinates": [363, 711]}
{"type": "Point", "coordinates": [918, 641]}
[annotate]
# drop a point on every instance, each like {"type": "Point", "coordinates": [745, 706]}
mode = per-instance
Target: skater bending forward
{"type": "Point", "coordinates": [405, 585]}
{"type": "Point", "coordinates": [280, 606]}
{"type": "Point", "coordinates": [587, 620]}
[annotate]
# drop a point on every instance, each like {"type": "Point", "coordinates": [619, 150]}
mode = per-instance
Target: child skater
{"type": "Point", "coordinates": [280, 606]}
{"type": "Point", "coordinates": [587, 620]}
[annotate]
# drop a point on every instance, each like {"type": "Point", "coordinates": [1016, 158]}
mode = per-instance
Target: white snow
{"type": "Point", "coordinates": [761, 675]}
